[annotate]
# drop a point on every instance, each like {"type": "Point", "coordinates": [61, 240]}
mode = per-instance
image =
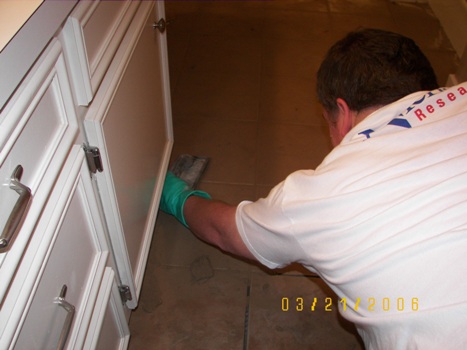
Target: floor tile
{"type": "Point", "coordinates": [226, 95]}
{"type": "Point", "coordinates": [444, 63]}
{"type": "Point", "coordinates": [367, 7]}
{"type": "Point", "coordinates": [284, 148]}
{"type": "Point", "coordinates": [179, 310]}
{"type": "Point", "coordinates": [291, 58]}
{"type": "Point", "coordinates": [410, 18]}
{"type": "Point", "coordinates": [231, 145]}
{"type": "Point", "coordinates": [228, 20]}
{"type": "Point", "coordinates": [174, 245]}
{"type": "Point", "coordinates": [289, 99]}
{"type": "Point", "coordinates": [217, 54]}
{"type": "Point", "coordinates": [296, 25]}
{"type": "Point", "coordinates": [294, 5]}
{"type": "Point", "coordinates": [282, 315]}
{"type": "Point", "coordinates": [343, 23]}
{"type": "Point", "coordinates": [229, 193]}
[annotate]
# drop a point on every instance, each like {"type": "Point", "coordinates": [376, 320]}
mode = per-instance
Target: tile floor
{"type": "Point", "coordinates": [242, 81]}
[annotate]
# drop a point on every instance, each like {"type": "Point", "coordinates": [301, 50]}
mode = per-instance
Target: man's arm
{"type": "Point", "coordinates": [214, 222]}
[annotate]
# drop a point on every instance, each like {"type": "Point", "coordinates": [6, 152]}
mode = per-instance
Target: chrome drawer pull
{"type": "Point", "coordinates": [19, 210]}
{"type": "Point", "coordinates": [60, 300]}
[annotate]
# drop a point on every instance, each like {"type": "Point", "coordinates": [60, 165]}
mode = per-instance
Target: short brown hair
{"type": "Point", "coordinates": [372, 67]}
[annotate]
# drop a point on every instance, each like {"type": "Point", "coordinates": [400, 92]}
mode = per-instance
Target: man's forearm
{"type": "Point", "coordinates": [214, 222]}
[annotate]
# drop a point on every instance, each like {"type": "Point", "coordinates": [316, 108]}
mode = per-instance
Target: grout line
{"type": "Point", "coordinates": [247, 319]}
{"type": "Point", "coordinates": [259, 106]}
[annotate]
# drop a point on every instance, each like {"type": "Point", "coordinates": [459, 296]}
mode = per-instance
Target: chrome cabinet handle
{"type": "Point", "coordinates": [60, 300]}
{"type": "Point", "coordinates": [20, 208]}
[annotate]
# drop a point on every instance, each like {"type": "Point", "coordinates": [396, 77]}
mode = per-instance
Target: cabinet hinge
{"type": "Point", "coordinates": [93, 157]}
{"type": "Point", "coordinates": [125, 293]}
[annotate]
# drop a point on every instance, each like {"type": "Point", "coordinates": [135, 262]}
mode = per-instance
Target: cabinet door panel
{"type": "Point", "coordinates": [75, 254]}
{"type": "Point", "coordinates": [108, 328]}
{"type": "Point", "coordinates": [91, 36]}
{"type": "Point", "coordinates": [130, 121]}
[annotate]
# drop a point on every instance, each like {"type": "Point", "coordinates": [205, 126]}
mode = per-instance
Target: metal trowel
{"type": "Point", "coordinates": [189, 168]}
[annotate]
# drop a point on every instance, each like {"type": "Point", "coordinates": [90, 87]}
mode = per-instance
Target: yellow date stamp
{"type": "Point", "coordinates": [370, 304]}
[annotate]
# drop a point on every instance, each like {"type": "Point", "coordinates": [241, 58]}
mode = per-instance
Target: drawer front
{"type": "Point", "coordinates": [91, 37]}
{"type": "Point", "coordinates": [72, 253]}
{"type": "Point", "coordinates": [37, 129]}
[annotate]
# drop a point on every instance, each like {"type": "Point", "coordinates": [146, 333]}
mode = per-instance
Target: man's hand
{"type": "Point", "coordinates": [174, 195]}
{"type": "Point", "coordinates": [211, 221]}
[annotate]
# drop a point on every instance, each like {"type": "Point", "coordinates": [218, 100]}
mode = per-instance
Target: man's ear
{"type": "Point", "coordinates": [345, 120]}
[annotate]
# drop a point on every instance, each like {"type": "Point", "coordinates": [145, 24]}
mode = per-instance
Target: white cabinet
{"type": "Point", "coordinates": [72, 256]}
{"type": "Point", "coordinates": [76, 228]}
{"type": "Point", "coordinates": [37, 129]}
{"type": "Point", "coordinates": [134, 143]}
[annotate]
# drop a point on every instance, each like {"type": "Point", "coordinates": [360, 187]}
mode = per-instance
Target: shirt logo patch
{"type": "Point", "coordinates": [404, 123]}
{"type": "Point", "coordinates": [366, 133]}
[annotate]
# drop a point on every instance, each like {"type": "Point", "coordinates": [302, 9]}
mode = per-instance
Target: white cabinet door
{"type": "Point", "coordinates": [108, 328]}
{"type": "Point", "coordinates": [91, 36]}
{"type": "Point", "coordinates": [72, 251]}
{"type": "Point", "coordinates": [129, 120]}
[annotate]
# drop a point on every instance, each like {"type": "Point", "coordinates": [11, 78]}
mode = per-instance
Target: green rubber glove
{"type": "Point", "coordinates": [174, 195]}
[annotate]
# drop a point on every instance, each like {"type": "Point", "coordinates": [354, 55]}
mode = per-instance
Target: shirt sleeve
{"type": "Point", "coordinates": [267, 231]}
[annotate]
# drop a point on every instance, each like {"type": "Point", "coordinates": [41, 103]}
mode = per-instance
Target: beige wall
{"type": "Point", "coordinates": [453, 17]}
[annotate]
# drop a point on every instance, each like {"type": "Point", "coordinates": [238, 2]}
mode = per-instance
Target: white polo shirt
{"type": "Point", "coordinates": [383, 220]}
